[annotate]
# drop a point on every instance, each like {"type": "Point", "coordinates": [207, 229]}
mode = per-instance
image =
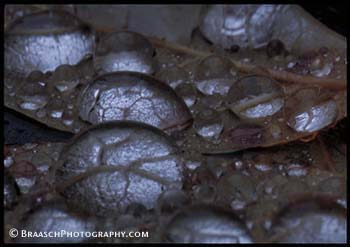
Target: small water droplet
{"type": "Point", "coordinates": [188, 93]}
{"type": "Point", "coordinates": [8, 161]}
{"type": "Point", "coordinates": [56, 113]}
{"type": "Point", "coordinates": [25, 184]}
{"type": "Point", "coordinates": [238, 204]}
{"type": "Point", "coordinates": [41, 113]}
{"type": "Point", "coordinates": [208, 124]}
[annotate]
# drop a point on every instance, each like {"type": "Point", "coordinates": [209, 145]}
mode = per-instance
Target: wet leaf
{"type": "Point", "coordinates": [273, 75]}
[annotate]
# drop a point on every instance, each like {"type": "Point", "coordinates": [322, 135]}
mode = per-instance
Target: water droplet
{"type": "Point", "coordinates": [45, 40]}
{"type": "Point", "coordinates": [124, 51]}
{"type": "Point", "coordinates": [32, 102]}
{"type": "Point", "coordinates": [263, 167]}
{"type": "Point", "coordinates": [172, 200]}
{"type": "Point", "coordinates": [255, 97]}
{"type": "Point", "coordinates": [275, 131]}
{"type": "Point", "coordinates": [208, 124]}
{"type": "Point", "coordinates": [56, 114]}
{"type": "Point", "coordinates": [25, 183]}
{"type": "Point", "coordinates": [31, 94]}
{"type": "Point", "coordinates": [238, 204]}
{"type": "Point", "coordinates": [322, 71]}
{"type": "Point", "coordinates": [55, 107]}
{"type": "Point", "coordinates": [68, 118]}
{"type": "Point", "coordinates": [173, 76]}
{"type": "Point", "coordinates": [316, 118]}
{"type": "Point", "coordinates": [133, 96]}
{"type": "Point", "coordinates": [238, 164]}
{"type": "Point", "coordinates": [41, 113]}
{"type": "Point", "coordinates": [267, 224]}
{"type": "Point", "coordinates": [192, 165]}
{"type": "Point", "coordinates": [188, 93]}
{"type": "Point", "coordinates": [214, 101]}
{"type": "Point", "coordinates": [296, 170]}
{"type": "Point", "coordinates": [65, 78]}
{"type": "Point", "coordinates": [8, 161]}
{"type": "Point", "coordinates": [214, 75]}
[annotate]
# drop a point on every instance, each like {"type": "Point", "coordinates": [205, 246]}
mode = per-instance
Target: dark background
{"type": "Point", "coordinates": [19, 129]}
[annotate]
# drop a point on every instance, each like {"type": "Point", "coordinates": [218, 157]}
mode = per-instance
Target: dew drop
{"type": "Point", "coordinates": [208, 124]}
{"type": "Point", "coordinates": [255, 97]}
{"type": "Point", "coordinates": [214, 75]}
{"type": "Point", "coordinates": [173, 76]}
{"type": "Point", "coordinates": [188, 93]}
{"type": "Point", "coordinates": [124, 51]}
{"type": "Point", "coordinates": [316, 118]}
{"type": "Point", "coordinates": [65, 78]}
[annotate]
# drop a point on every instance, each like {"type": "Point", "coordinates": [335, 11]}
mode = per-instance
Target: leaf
{"type": "Point", "coordinates": [115, 164]}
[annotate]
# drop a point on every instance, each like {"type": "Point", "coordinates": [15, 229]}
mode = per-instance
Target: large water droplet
{"type": "Point", "coordinates": [316, 118]}
{"type": "Point", "coordinates": [133, 96]}
{"type": "Point", "coordinates": [255, 97]}
{"type": "Point", "coordinates": [124, 51]}
{"type": "Point", "coordinates": [45, 40]}
{"type": "Point", "coordinates": [112, 165]}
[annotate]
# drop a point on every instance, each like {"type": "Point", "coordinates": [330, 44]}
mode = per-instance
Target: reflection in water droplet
{"type": "Point", "coordinates": [124, 51]}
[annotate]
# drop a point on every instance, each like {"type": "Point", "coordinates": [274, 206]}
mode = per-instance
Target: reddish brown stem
{"type": "Point", "coordinates": [336, 84]}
